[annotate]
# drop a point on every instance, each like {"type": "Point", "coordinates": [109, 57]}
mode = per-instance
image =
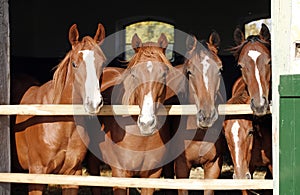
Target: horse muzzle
{"type": "Point", "coordinates": [93, 106]}
{"type": "Point", "coordinates": [259, 109]}
{"type": "Point", "coordinates": [246, 175]}
{"type": "Point", "coordinates": [206, 119]}
{"type": "Point", "coordinates": [147, 124]}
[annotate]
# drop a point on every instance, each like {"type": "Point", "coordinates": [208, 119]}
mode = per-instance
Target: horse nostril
{"type": "Point", "coordinates": [101, 102]}
{"type": "Point", "coordinates": [201, 115]}
{"type": "Point", "coordinates": [214, 114]}
{"type": "Point", "coordinates": [266, 102]}
{"type": "Point", "coordinates": [248, 175]}
{"type": "Point", "coordinates": [142, 124]}
{"type": "Point", "coordinates": [233, 176]}
{"type": "Point", "coordinates": [252, 103]}
{"type": "Point", "coordinates": [143, 121]}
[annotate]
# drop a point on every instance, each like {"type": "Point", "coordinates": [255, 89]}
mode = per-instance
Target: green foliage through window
{"type": "Point", "coordinates": [149, 31]}
{"type": "Point", "coordinates": [253, 27]}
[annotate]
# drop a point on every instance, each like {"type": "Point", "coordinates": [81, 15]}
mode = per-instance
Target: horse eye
{"type": "Point", "coordinates": [132, 73]}
{"type": "Point", "coordinates": [219, 73]}
{"type": "Point", "coordinates": [251, 132]}
{"type": "Point", "coordinates": [239, 66]}
{"type": "Point", "coordinates": [189, 73]}
{"type": "Point", "coordinates": [74, 65]}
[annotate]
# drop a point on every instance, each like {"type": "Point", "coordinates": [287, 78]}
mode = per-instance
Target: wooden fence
{"type": "Point", "coordinates": [190, 184]}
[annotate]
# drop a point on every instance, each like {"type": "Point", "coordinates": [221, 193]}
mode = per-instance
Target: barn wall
{"type": "Point", "coordinates": [4, 95]}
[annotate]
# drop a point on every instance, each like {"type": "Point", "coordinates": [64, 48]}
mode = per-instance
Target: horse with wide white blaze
{"type": "Point", "coordinates": [58, 144]}
{"type": "Point", "coordinates": [249, 137]}
{"type": "Point", "coordinates": [254, 58]}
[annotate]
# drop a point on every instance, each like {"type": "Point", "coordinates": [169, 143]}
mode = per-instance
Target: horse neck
{"type": "Point", "coordinates": [176, 84]}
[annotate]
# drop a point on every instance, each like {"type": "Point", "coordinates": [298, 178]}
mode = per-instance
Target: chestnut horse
{"type": "Point", "coordinates": [58, 144]}
{"type": "Point", "coordinates": [254, 58]}
{"type": "Point", "coordinates": [249, 137]}
{"type": "Point", "coordinates": [134, 146]}
{"type": "Point", "coordinates": [198, 140]}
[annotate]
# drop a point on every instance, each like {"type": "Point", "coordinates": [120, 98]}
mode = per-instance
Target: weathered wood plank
{"type": "Point", "coordinates": [5, 91]}
{"type": "Point", "coordinates": [189, 184]}
{"type": "Point", "coordinates": [63, 109]}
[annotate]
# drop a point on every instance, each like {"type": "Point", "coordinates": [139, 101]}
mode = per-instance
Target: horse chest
{"type": "Point", "coordinates": [133, 153]}
{"type": "Point", "coordinates": [200, 151]}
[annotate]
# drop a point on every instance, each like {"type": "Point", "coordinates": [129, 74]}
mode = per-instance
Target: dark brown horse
{"type": "Point", "coordinates": [197, 141]}
{"type": "Point", "coordinates": [57, 145]}
{"type": "Point", "coordinates": [134, 146]}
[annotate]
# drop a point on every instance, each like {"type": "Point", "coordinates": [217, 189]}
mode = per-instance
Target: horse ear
{"type": "Point", "coordinates": [73, 35]}
{"type": "Point", "coordinates": [265, 33]}
{"type": "Point", "coordinates": [163, 41]}
{"type": "Point", "coordinates": [191, 42]}
{"type": "Point", "coordinates": [136, 42]}
{"type": "Point", "coordinates": [238, 36]}
{"type": "Point", "coordinates": [100, 34]}
{"type": "Point", "coordinates": [214, 39]}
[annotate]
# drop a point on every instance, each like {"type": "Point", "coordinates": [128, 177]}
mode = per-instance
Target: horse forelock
{"type": "Point", "coordinates": [89, 43]}
{"type": "Point", "coordinates": [149, 53]}
{"type": "Point", "coordinates": [209, 50]}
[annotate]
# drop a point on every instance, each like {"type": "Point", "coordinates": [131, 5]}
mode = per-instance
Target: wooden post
{"type": "Point", "coordinates": [4, 94]}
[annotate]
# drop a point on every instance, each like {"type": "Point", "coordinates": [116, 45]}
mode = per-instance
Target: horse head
{"type": "Point", "coordinates": [202, 69]}
{"type": "Point", "coordinates": [239, 137]}
{"type": "Point", "coordinates": [146, 81]}
{"type": "Point", "coordinates": [85, 62]}
{"type": "Point", "coordinates": [254, 58]}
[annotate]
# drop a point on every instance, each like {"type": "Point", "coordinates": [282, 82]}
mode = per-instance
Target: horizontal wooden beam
{"type": "Point", "coordinates": [189, 184]}
{"type": "Point", "coordinates": [68, 109]}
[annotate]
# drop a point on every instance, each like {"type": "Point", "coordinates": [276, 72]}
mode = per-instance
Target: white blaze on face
{"type": "Point", "coordinates": [147, 109]}
{"type": "Point", "coordinates": [254, 55]}
{"type": "Point", "coordinates": [235, 133]}
{"type": "Point", "coordinates": [92, 88]}
{"type": "Point", "coordinates": [205, 69]}
{"type": "Point", "coordinates": [149, 66]}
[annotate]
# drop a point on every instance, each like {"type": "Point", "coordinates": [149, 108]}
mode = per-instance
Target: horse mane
{"type": "Point", "coordinates": [59, 78]}
{"type": "Point", "coordinates": [236, 50]}
{"type": "Point", "coordinates": [201, 45]}
{"type": "Point", "coordinates": [151, 52]}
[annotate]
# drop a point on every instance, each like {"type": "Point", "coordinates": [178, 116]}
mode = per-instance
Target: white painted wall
{"type": "Point", "coordinates": [285, 32]}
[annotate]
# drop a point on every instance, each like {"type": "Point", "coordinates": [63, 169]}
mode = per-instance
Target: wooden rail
{"type": "Point", "coordinates": [64, 109]}
{"type": "Point", "coordinates": [188, 184]}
